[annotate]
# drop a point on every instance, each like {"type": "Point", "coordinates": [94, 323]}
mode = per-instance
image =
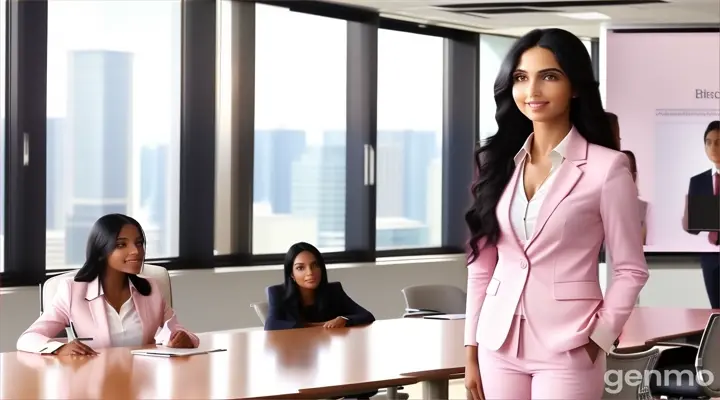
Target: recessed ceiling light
{"type": "Point", "coordinates": [592, 16]}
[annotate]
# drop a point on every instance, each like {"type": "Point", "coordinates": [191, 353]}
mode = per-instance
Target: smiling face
{"type": "Point", "coordinates": [541, 89]}
{"type": "Point", "coordinates": [129, 252]}
{"type": "Point", "coordinates": [306, 271]}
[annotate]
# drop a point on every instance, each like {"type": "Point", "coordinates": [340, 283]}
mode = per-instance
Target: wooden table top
{"type": "Point", "coordinates": [256, 364]}
{"type": "Point", "coordinates": [397, 347]}
{"type": "Point", "coordinates": [291, 364]}
{"type": "Point", "coordinates": [645, 326]}
{"type": "Point", "coordinates": [116, 374]}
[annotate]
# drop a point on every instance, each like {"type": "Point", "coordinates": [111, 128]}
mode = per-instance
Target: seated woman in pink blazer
{"type": "Point", "coordinates": [107, 303]}
{"type": "Point", "coordinates": [552, 188]}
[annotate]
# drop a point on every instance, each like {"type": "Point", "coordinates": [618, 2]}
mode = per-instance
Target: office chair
{"type": "Point", "coordinates": [421, 300]}
{"type": "Point", "coordinates": [688, 371]}
{"type": "Point", "coordinates": [159, 274]}
{"type": "Point", "coordinates": [261, 309]}
{"type": "Point", "coordinates": [643, 361]}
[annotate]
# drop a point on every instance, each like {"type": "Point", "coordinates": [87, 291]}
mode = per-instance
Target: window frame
{"type": "Point", "coordinates": [460, 128]}
{"type": "Point", "coordinates": [25, 142]}
{"type": "Point", "coordinates": [26, 94]}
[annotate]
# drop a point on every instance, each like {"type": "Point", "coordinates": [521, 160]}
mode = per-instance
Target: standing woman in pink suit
{"type": "Point", "coordinates": [552, 187]}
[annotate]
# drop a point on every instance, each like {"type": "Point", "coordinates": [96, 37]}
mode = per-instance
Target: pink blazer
{"type": "Point", "coordinates": [80, 303]}
{"type": "Point", "coordinates": [593, 199]}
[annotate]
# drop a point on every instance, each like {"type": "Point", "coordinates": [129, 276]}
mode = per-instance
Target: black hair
{"type": "Point", "coordinates": [712, 126]}
{"type": "Point", "coordinates": [633, 160]}
{"type": "Point", "coordinates": [494, 159]}
{"type": "Point", "coordinates": [614, 124]}
{"type": "Point", "coordinates": [292, 292]}
{"type": "Point", "coordinates": [102, 241]}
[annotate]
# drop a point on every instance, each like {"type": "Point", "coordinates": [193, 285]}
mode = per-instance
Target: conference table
{"type": "Point", "coordinates": [301, 363]}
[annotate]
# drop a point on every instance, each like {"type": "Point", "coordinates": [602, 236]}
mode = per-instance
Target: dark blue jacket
{"type": "Point", "coordinates": [285, 314]}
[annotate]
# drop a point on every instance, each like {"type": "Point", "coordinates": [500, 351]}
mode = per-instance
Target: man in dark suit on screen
{"type": "Point", "coordinates": [706, 184]}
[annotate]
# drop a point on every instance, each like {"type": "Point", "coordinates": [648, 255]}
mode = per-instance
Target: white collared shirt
{"type": "Point", "coordinates": [125, 327]}
{"type": "Point", "coordinates": [523, 211]}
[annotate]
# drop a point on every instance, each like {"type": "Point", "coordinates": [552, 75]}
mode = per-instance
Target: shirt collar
{"type": "Point", "coordinates": [559, 150]}
{"type": "Point", "coordinates": [714, 171]}
{"type": "Point", "coordinates": [101, 292]}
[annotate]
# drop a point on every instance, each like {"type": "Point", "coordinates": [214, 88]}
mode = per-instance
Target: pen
{"type": "Point", "coordinates": [216, 350]}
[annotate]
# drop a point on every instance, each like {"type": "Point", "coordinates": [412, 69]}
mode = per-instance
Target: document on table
{"type": "Point", "coordinates": [172, 352]}
{"type": "Point", "coordinates": [445, 316]}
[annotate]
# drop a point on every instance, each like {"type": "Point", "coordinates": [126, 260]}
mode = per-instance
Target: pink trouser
{"type": "Point", "coordinates": [523, 369]}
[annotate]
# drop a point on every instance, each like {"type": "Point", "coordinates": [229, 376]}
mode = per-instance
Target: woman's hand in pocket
{"type": "Point", "coordinates": [592, 350]}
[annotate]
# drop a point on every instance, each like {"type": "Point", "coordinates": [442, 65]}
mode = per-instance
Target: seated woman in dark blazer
{"type": "Point", "coordinates": [307, 298]}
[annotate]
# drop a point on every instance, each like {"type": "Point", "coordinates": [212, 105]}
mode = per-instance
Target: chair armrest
{"type": "Point", "coordinates": [643, 362]}
{"type": "Point", "coordinates": [414, 310]}
{"type": "Point", "coordinates": [647, 354]}
{"type": "Point", "coordinates": [416, 313]}
{"type": "Point", "coordinates": [676, 344]}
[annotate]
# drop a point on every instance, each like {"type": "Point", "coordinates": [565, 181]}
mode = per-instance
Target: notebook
{"type": "Point", "coordinates": [171, 352]}
{"type": "Point", "coordinates": [445, 316]}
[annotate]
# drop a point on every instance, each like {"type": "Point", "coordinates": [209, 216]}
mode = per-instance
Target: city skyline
{"type": "Point", "coordinates": [152, 199]}
{"type": "Point", "coordinates": [409, 100]}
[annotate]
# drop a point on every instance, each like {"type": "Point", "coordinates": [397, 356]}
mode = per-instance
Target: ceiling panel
{"type": "Point", "coordinates": [545, 13]}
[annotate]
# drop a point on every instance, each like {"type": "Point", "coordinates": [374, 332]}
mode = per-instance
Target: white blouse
{"type": "Point", "coordinates": [523, 211]}
{"type": "Point", "coordinates": [125, 327]}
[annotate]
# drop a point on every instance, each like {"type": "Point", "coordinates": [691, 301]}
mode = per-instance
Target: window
{"type": "Point", "coordinates": [492, 52]}
{"type": "Point", "coordinates": [113, 117]}
{"type": "Point", "coordinates": [3, 55]}
{"type": "Point", "coordinates": [409, 138]}
{"type": "Point", "coordinates": [588, 46]}
{"type": "Point", "coordinates": [299, 167]}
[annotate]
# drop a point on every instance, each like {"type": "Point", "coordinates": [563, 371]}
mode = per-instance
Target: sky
{"type": "Point", "coordinates": [301, 66]}
{"type": "Point", "coordinates": [147, 29]}
{"type": "Point", "coordinates": [301, 76]}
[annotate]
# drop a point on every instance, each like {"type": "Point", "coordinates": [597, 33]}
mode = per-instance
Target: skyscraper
{"type": "Point", "coordinates": [275, 152]}
{"type": "Point", "coordinates": [55, 176]}
{"type": "Point", "coordinates": [99, 127]}
{"type": "Point", "coordinates": [153, 191]}
{"type": "Point", "coordinates": [417, 149]}
{"type": "Point", "coordinates": [318, 189]}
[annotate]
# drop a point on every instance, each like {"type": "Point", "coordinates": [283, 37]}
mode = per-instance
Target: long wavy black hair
{"type": "Point", "coordinates": [102, 241]}
{"type": "Point", "coordinates": [292, 292]}
{"type": "Point", "coordinates": [494, 159]}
